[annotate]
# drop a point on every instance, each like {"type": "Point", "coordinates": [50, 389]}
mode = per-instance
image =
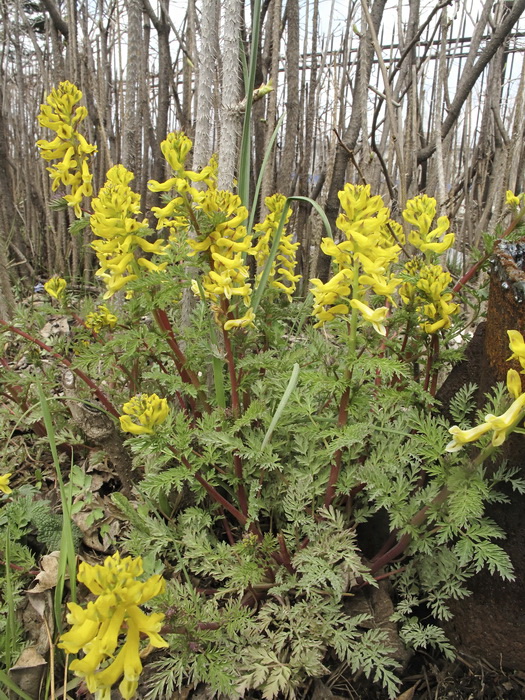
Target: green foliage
{"type": "Point", "coordinates": [48, 526]}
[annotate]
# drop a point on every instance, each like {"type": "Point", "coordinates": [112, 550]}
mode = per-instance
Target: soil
{"type": "Point", "coordinates": [428, 678]}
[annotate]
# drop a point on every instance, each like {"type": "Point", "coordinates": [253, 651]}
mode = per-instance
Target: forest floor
{"type": "Point", "coordinates": [428, 678]}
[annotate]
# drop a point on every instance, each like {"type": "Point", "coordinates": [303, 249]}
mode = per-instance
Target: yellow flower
{"type": "Point", "coordinates": [461, 437]}
{"type": "Point", "coordinates": [514, 383]}
{"type": "Point", "coordinates": [420, 212]}
{"type": "Point", "coordinates": [225, 247]}
{"type": "Point", "coordinates": [285, 261]}
{"type": "Point", "coordinates": [56, 287]}
{"type": "Point", "coordinates": [373, 316]}
{"type": "Point", "coordinates": [103, 318]}
{"type": "Point", "coordinates": [513, 201]}
{"type": "Point", "coordinates": [503, 425]}
{"type": "Point", "coordinates": [246, 320]}
{"type": "Point", "coordinates": [122, 235]}
{"type": "Point", "coordinates": [517, 346]}
{"type": "Point", "coordinates": [149, 411]}
{"type": "Point", "coordinates": [68, 145]}
{"type": "Point", "coordinates": [4, 483]}
{"type": "Point", "coordinates": [363, 222]}
{"type": "Point", "coordinates": [96, 629]}
{"type": "Point", "coordinates": [175, 215]}
{"type": "Point", "coordinates": [369, 251]}
{"type": "Point", "coordinates": [334, 294]}
{"type": "Point", "coordinates": [428, 294]}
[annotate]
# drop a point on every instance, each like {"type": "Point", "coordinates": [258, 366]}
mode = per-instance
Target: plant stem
{"type": "Point", "coordinates": [354, 315]}
{"type": "Point", "coordinates": [396, 550]}
{"type": "Point", "coordinates": [336, 466]}
{"type": "Point", "coordinates": [435, 373]}
{"type": "Point", "coordinates": [187, 375]}
{"type": "Point", "coordinates": [90, 383]}
{"type": "Point", "coordinates": [236, 408]}
{"type": "Point", "coordinates": [212, 491]}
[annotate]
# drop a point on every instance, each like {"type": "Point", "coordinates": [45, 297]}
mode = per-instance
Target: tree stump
{"type": "Point", "coordinates": [490, 624]}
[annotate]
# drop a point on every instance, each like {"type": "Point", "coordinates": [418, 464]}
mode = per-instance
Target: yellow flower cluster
{"type": "Point", "coordinates": [514, 201]}
{"type": "Point", "coordinates": [103, 318]}
{"type": "Point", "coordinates": [501, 426]}
{"type": "Point", "coordinates": [69, 146]}
{"type": "Point", "coordinates": [122, 235]}
{"type": "Point", "coordinates": [217, 217]}
{"type": "Point", "coordinates": [175, 214]}
{"type": "Point", "coordinates": [368, 252]}
{"type": "Point", "coordinates": [285, 260]}
{"type": "Point", "coordinates": [420, 212]}
{"type": "Point", "coordinates": [148, 410]}
{"type": "Point", "coordinates": [96, 628]}
{"type": "Point", "coordinates": [56, 287]}
{"type": "Point", "coordinates": [226, 244]}
{"type": "Point", "coordinates": [429, 295]}
{"type": "Point", "coordinates": [4, 483]}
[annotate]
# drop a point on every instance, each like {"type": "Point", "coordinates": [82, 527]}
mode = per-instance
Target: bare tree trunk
{"type": "Point", "coordinates": [207, 82]}
{"type": "Point", "coordinates": [304, 229]}
{"type": "Point", "coordinates": [165, 78]}
{"type": "Point", "coordinates": [230, 115]}
{"type": "Point", "coordinates": [131, 122]}
{"type": "Point", "coordinates": [274, 20]}
{"type": "Point", "coordinates": [351, 134]}
{"type": "Point", "coordinates": [288, 156]}
{"type": "Point", "coordinates": [188, 70]}
{"type": "Point", "coordinates": [469, 77]}
{"type": "Point", "coordinates": [7, 299]}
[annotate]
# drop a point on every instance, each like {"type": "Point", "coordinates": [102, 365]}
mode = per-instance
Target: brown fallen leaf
{"type": "Point", "coordinates": [408, 694]}
{"type": "Point", "coordinates": [28, 672]}
{"type": "Point", "coordinates": [47, 578]}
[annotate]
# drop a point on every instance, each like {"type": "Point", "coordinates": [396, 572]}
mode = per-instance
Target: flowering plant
{"type": "Point", "coordinates": [259, 434]}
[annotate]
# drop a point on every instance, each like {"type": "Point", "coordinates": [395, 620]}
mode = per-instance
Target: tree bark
{"type": "Point", "coordinates": [288, 155]}
{"type": "Point", "coordinates": [131, 147]}
{"type": "Point", "coordinates": [230, 115]}
{"type": "Point", "coordinates": [207, 81]}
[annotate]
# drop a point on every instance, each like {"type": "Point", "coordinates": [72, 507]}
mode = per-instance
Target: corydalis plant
{"type": "Point", "coordinates": [363, 261]}
{"type": "Point", "coordinates": [96, 629]}
{"type": "Point", "coordinates": [69, 146]}
{"type": "Point", "coordinates": [254, 488]}
{"type": "Point", "coordinates": [120, 250]}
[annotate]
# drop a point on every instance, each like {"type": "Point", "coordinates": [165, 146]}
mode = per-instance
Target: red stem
{"type": "Point", "coordinates": [212, 491]}
{"type": "Point", "coordinates": [470, 273]}
{"type": "Point", "coordinates": [285, 555]}
{"type": "Point", "coordinates": [187, 375]}
{"type": "Point", "coordinates": [241, 491]}
{"type": "Point", "coordinates": [336, 465]}
{"type": "Point", "coordinates": [90, 383]}
{"type": "Point", "coordinates": [435, 355]}
{"type": "Point", "coordinates": [231, 366]}
{"type": "Point", "coordinates": [378, 562]}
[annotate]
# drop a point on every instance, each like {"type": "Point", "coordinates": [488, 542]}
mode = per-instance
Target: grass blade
{"type": "Point", "coordinates": [292, 383]}
{"type": "Point", "coordinates": [67, 560]}
{"type": "Point", "coordinates": [10, 626]}
{"type": "Point", "coordinates": [217, 364]}
{"type": "Point", "coordinates": [261, 175]}
{"type": "Point", "coordinates": [245, 153]}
